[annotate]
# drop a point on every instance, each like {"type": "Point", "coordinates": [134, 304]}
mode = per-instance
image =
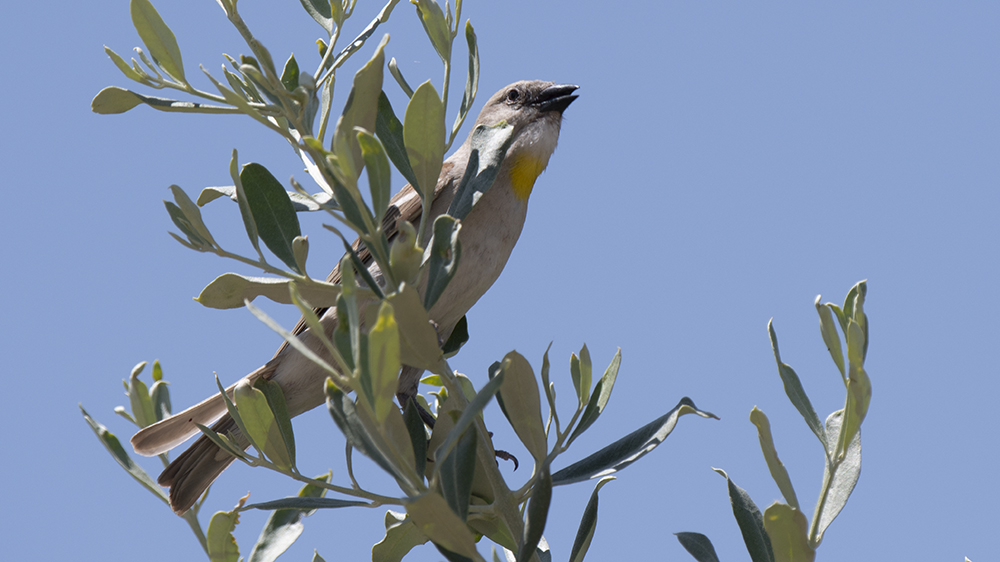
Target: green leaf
{"type": "Point", "coordinates": [319, 10]}
{"type": "Point", "coordinates": [284, 526]}
{"type": "Point", "coordinates": [230, 290]}
{"type": "Point", "coordinates": [114, 447]}
{"type": "Point", "coordinates": [751, 523]}
{"type": "Point", "coordinates": [112, 100]}
{"type": "Point", "coordinates": [435, 26]}
{"type": "Point", "coordinates": [459, 336]}
{"type": "Point", "coordinates": [159, 396]}
{"type": "Point", "coordinates": [418, 435]}
{"type": "Point", "coordinates": [581, 372]}
{"type": "Point", "coordinates": [628, 449]}
{"type": "Point", "coordinates": [464, 421]}
{"type": "Point", "coordinates": [272, 211]}
{"type": "Point", "coordinates": [599, 398]}
{"type": "Point", "coordinates": [698, 546]}
{"type": "Point", "coordinates": [389, 130]}
{"type": "Point", "coordinates": [859, 388]}
{"type": "Point", "coordinates": [279, 408]}
{"type": "Point", "coordinates": [220, 543]}
{"type": "Point", "coordinates": [138, 397]}
{"type": "Point", "coordinates": [417, 337]}
{"type": "Point", "coordinates": [830, 336]}
{"type": "Point", "coordinates": [445, 252]}
{"type": "Point", "coordinates": [181, 222]}
{"type": "Point", "coordinates": [290, 74]}
{"type": "Point", "coordinates": [471, 81]}
{"type": "Point", "coordinates": [405, 256]}
{"type": "Point", "coordinates": [456, 471]}
{"type": "Point", "coordinates": [843, 479]}
{"type": "Point", "coordinates": [345, 415]}
{"type": "Point", "coordinates": [383, 360]}
{"type": "Point", "coordinates": [424, 138]}
{"type": "Point", "coordinates": [379, 174]}
{"type": "Point", "coordinates": [192, 213]}
{"type": "Point", "coordinates": [489, 148]}
{"type": "Point", "coordinates": [537, 513]}
{"type": "Point", "coordinates": [398, 75]}
{"type": "Point", "coordinates": [262, 429]}
{"type": "Point", "coordinates": [305, 504]}
{"type": "Point", "coordinates": [523, 405]}
{"type": "Point", "coordinates": [360, 110]}
{"type": "Point", "coordinates": [241, 200]}
{"type": "Point", "coordinates": [158, 38]}
{"type": "Point", "coordinates": [435, 519]}
{"type": "Point", "coordinates": [123, 66]}
{"type": "Point", "coordinates": [588, 524]}
{"type": "Point", "coordinates": [787, 529]}
{"type": "Point", "coordinates": [794, 390]}
{"type": "Point", "coordinates": [774, 464]}
{"type": "Point", "coordinates": [401, 535]}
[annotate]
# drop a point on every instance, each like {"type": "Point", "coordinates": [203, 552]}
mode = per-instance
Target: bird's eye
{"type": "Point", "coordinates": [513, 95]}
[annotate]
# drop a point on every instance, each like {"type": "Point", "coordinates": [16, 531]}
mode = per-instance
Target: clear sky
{"type": "Point", "coordinates": [724, 164]}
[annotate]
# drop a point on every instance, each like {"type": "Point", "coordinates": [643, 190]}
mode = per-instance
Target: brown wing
{"type": "Point", "coordinates": [405, 205]}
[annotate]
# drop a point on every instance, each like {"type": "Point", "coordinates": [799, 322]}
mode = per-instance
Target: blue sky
{"type": "Point", "coordinates": [724, 164]}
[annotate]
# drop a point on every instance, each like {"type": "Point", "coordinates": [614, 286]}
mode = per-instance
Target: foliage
{"type": "Point", "coordinates": [452, 492]}
{"type": "Point", "coordinates": [782, 532]}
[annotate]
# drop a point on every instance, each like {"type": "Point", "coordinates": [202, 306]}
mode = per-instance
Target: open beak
{"type": "Point", "coordinates": [556, 97]}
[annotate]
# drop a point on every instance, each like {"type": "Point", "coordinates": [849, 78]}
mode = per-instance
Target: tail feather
{"type": "Point", "coordinates": [194, 470]}
{"type": "Point", "coordinates": [166, 434]}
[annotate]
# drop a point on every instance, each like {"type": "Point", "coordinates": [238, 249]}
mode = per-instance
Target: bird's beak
{"type": "Point", "coordinates": [556, 97]}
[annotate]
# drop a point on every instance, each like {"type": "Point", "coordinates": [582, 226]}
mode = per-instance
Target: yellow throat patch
{"type": "Point", "coordinates": [523, 173]}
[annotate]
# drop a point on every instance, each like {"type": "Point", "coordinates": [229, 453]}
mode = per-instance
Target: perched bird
{"type": "Point", "coordinates": [534, 109]}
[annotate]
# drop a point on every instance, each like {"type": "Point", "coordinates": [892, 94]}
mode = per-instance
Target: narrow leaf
{"type": "Point", "coordinates": [401, 535]}
{"type": "Point", "coordinates": [844, 478]}
{"type": "Point", "coordinates": [383, 360]}
{"type": "Point", "coordinates": [523, 404]}
{"type": "Point", "coordinates": [588, 524]}
{"type": "Point", "coordinates": [111, 443]}
{"type": "Point", "coordinates": [828, 329]}
{"type": "Point", "coordinates": [751, 522]}
{"type": "Point", "coordinates": [360, 110]}
{"type": "Point", "coordinates": [435, 519]}
{"type": "Point", "coordinates": [290, 74]}
{"type": "Point", "coordinates": [471, 81]}
{"type": "Point", "coordinates": [424, 138]}
{"type": "Point", "coordinates": [628, 449]}
{"type": "Point", "coordinates": [319, 10]}
{"type": "Point", "coordinates": [231, 290]}
{"type": "Point", "coordinates": [787, 529]}
{"type": "Point", "coordinates": [474, 408]}
{"type": "Point", "coordinates": [794, 390]}
{"type": "Point", "coordinates": [272, 211]}
{"type": "Point", "coordinates": [389, 130]}
{"type": "Point", "coordinates": [158, 38]}
{"type": "Point", "coordinates": [304, 504]}
{"type": "Point", "coordinates": [284, 526]}
{"type": "Point", "coordinates": [456, 472]}
{"type": "Point", "coordinates": [537, 513]}
{"type": "Point", "coordinates": [417, 337]}
{"type": "Point", "coordinates": [276, 403]}
{"type": "Point", "coordinates": [379, 174]}
{"type": "Point", "coordinates": [445, 252]}
{"type": "Point", "coordinates": [599, 399]}
{"type": "Point", "coordinates": [220, 543]}
{"type": "Point", "coordinates": [418, 435]}
{"type": "Point", "coordinates": [698, 546]}
{"type": "Point", "coordinates": [435, 26]}
{"type": "Point", "coordinates": [774, 464]}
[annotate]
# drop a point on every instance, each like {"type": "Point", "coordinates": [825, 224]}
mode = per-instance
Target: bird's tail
{"type": "Point", "coordinates": [191, 473]}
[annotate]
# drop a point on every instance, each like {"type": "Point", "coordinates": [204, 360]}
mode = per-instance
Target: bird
{"type": "Point", "coordinates": [489, 232]}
